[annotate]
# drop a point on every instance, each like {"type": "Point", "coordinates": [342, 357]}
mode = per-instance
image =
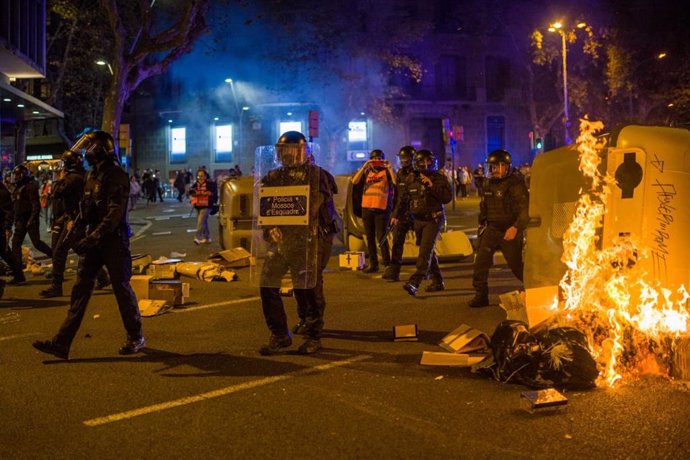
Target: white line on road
{"type": "Point", "coordinates": [217, 393]}
{"type": "Point", "coordinates": [219, 304]}
{"type": "Point", "coordinates": [18, 336]}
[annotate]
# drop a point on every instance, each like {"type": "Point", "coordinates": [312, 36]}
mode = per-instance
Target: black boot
{"type": "Point", "coordinates": [53, 291]}
{"type": "Point", "coordinates": [392, 273]}
{"type": "Point", "coordinates": [481, 299]}
{"type": "Point", "coordinates": [411, 288]}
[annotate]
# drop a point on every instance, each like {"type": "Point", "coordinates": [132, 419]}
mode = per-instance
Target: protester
{"type": "Point", "coordinates": [204, 195]}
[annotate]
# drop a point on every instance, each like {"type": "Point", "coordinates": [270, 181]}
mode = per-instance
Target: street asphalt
{"type": "Point", "coordinates": [201, 390]}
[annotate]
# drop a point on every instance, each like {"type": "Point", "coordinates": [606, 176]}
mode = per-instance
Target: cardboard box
{"type": "Point", "coordinates": [514, 305]}
{"type": "Point", "coordinates": [405, 333]}
{"type": "Point", "coordinates": [434, 358]}
{"type": "Point", "coordinates": [354, 260]}
{"type": "Point", "coordinates": [465, 339]}
{"type": "Point", "coordinates": [140, 285]}
{"type": "Point", "coordinates": [148, 307]}
{"type": "Point", "coordinates": [140, 262]}
{"type": "Point", "coordinates": [162, 271]}
{"type": "Point", "coordinates": [171, 291]}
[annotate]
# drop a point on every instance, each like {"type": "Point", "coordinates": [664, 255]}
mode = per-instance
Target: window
{"type": "Point", "coordinates": [495, 133]}
{"type": "Point", "coordinates": [451, 78]}
{"type": "Point", "coordinates": [497, 78]}
{"type": "Point", "coordinates": [178, 145]}
{"type": "Point", "coordinates": [286, 126]}
{"type": "Point", "coordinates": [223, 144]}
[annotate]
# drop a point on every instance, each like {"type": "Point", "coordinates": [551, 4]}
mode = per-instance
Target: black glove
{"type": "Point", "coordinates": [86, 244]}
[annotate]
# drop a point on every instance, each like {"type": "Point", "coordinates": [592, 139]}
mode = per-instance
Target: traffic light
{"type": "Point", "coordinates": [539, 144]}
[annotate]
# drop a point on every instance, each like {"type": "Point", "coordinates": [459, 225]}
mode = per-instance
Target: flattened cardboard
{"type": "Point", "coordinates": [235, 257]}
{"type": "Point", "coordinates": [405, 333]}
{"type": "Point", "coordinates": [149, 307]}
{"type": "Point", "coordinates": [539, 303]}
{"type": "Point", "coordinates": [543, 400]}
{"type": "Point", "coordinates": [436, 358]}
{"type": "Point", "coordinates": [465, 339]}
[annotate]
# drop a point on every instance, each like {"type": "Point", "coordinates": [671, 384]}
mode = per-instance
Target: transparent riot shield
{"type": "Point", "coordinates": [285, 237]}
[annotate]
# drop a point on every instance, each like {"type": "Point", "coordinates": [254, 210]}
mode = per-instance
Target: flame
{"type": "Point", "coordinates": [627, 316]}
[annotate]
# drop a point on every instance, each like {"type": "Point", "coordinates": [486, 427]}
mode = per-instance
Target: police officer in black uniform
{"type": "Point", "coordinates": [106, 242]}
{"type": "Point", "coordinates": [328, 228]}
{"type": "Point", "coordinates": [503, 217]}
{"type": "Point", "coordinates": [67, 192]}
{"type": "Point", "coordinates": [27, 212]}
{"type": "Point", "coordinates": [404, 223]}
{"type": "Point", "coordinates": [290, 247]}
{"type": "Point", "coordinates": [6, 222]}
{"type": "Point", "coordinates": [424, 194]}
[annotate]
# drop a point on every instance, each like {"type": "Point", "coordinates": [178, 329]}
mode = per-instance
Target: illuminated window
{"type": "Point", "coordinates": [178, 145]}
{"type": "Point", "coordinates": [223, 141]}
{"type": "Point", "coordinates": [286, 126]}
{"type": "Point", "coordinates": [357, 131]}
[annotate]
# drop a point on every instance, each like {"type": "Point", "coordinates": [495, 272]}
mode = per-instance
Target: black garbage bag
{"type": "Point", "coordinates": [516, 354]}
{"type": "Point", "coordinates": [565, 359]}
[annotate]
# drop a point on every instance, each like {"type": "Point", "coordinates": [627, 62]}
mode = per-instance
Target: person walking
{"type": "Point", "coordinates": [465, 179]}
{"type": "Point", "coordinates": [503, 218]}
{"type": "Point", "coordinates": [424, 195]}
{"type": "Point", "coordinates": [27, 211]}
{"type": "Point", "coordinates": [403, 223]}
{"type": "Point", "coordinates": [106, 243]}
{"type": "Point", "coordinates": [377, 202]}
{"type": "Point", "coordinates": [292, 248]}
{"type": "Point", "coordinates": [204, 194]}
{"type": "Point", "coordinates": [6, 222]}
{"type": "Point", "coordinates": [134, 191]}
{"type": "Point", "coordinates": [179, 185]}
{"type": "Point", "coordinates": [478, 176]}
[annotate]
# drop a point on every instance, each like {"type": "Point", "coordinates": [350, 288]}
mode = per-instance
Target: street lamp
{"type": "Point", "coordinates": [558, 27]}
{"type": "Point", "coordinates": [102, 62]}
{"type": "Point", "coordinates": [241, 130]}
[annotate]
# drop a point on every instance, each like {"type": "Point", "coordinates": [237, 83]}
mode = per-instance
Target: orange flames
{"type": "Point", "coordinates": [629, 318]}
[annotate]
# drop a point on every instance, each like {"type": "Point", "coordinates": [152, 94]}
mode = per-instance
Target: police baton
{"type": "Point", "coordinates": [385, 235]}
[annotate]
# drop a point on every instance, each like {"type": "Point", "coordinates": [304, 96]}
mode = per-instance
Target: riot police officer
{"type": "Point", "coordinates": [424, 194]}
{"type": "Point", "coordinates": [503, 217]}
{"type": "Point", "coordinates": [27, 210]}
{"type": "Point", "coordinates": [6, 221]}
{"type": "Point", "coordinates": [67, 192]}
{"type": "Point", "coordinates": [403, 224]}
{"type": "Point", "coordinates": [105, 242]}
{"type": "Point", "coordinates": [292, 248]}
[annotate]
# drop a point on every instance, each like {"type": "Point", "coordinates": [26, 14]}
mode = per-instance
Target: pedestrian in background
{"type": "Point", "coordinates": [204, 194]}
{"type": "Point", "coordinates": [106, 243]}
{"type": "Point", "coordinates": [179, 185]}
{"type": "Point", "coordinates": [478, 176]}
{"type": "Point", "coordinates": [503, 218]}
{"type": "Point", "coordinates": [6, 221]}
{"type": "Point", "coordinates": [134, 191]}
{"type": "Point", "coordinates": [377, 202]}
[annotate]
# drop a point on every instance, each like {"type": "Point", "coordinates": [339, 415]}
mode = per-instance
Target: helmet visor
{"type": "Point", "coordinates": [291, 154]}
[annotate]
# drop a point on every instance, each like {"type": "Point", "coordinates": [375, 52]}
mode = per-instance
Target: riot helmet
{"type": "Point", "coordinates": [291, 149]}
{"type": "Point", "coordinates": [73, 161]}
{"type": "Point", "coordinates": [406, 155]}
{"type": "Point", "coordinates": [20, 173]}
{"type": "Point", "coordinates": [377, 154]}
{"type": "Point", "coordinates": [424, 161]}
{"type": "Point", "coordinates": [97, 145]}
{"type": "Point", "coordinates": [498, 163]}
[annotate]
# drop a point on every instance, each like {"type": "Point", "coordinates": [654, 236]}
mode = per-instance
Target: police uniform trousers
{"type": "Point", "coordinates": [8, 256]}
{"type": "Point", "coordinates": [61, 248]}
{"type": "Point", "coordinates": [399, 235]}
{"type": "Point", "coordinates": [316, 321]}
{"type": "Point", "coordinates": [275, 266]}
{"type": "Point", "coordinates": [427, 232]}
{"type": "Point", "coordinates": [489, 242]}
{"type": "Point", "coordinates": [114, 254]}
{"type": "Point", "coordinates": [21, 228]}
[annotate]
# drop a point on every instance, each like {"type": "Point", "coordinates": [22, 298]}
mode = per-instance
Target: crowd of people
{"type": "Point", "coordinates": [90, 218]}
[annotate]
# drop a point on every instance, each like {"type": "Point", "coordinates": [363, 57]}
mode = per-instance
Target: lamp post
{"type": "Point", "coordinates": [558, 27]}
{"type": "Point", "coordinates": [102, 62]}
{"type": "Point", "coordinates": [240, 133]}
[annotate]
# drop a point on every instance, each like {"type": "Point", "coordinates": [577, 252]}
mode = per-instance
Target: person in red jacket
{"type": "Point", "coordinates": [204, 194]}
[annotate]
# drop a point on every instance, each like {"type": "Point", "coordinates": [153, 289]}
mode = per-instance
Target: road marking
{"type": "Point", "coordinates": [18, 336]}
{"type": "Point", "coordinates": [218, 393]}
{"type": "Point", "coordinates": [161, 233]}
{"type": "Point", "coordinates": [219, 304]}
